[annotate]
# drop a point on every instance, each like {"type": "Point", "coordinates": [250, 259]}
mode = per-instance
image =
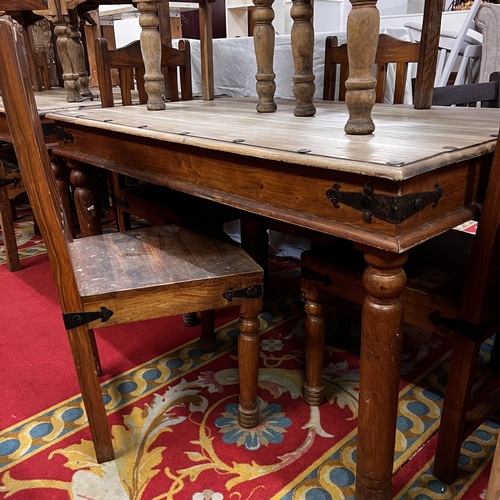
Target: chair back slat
{"type": "Point", "coordinates": [185, 71]}
{"type": "Point", "coordinates": [390, 50]}
{"type": "Point", "coordinates": [330, 75]}
{"type": "Point", "coordinates": [399, 87]}
{"type": "Point", "coordinates": [381, 76]}
{"type": "Point", "coordinates": [126, 76]}
{"type": "Point", "coordinates": [34, 163]}
{"type": "Point", "coordinates": [129, 61]}
{"type": "Point", "coordinates": [103, 75]}
{"type": "Point", "coordinates": [143, 96]}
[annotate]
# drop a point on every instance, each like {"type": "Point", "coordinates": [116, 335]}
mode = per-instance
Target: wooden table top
{"type": "Point", "coordinates": [406, 143]}
{"type": "Point", "coordinates": [54, 100]}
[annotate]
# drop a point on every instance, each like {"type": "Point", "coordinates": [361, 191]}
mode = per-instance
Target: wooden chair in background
{"type": "Point", "coordinates": [449, 290]}
{"type": "Point", "coordinates": [128, 60]}
{"type": "Point", "coordinates": [156, 204]}
{"type": "Point", "coordinates": [456, 49]}
{"type": "Point", "coordinates": [174, 270]}
{"type": "Point", "coordinates": [390, 50]}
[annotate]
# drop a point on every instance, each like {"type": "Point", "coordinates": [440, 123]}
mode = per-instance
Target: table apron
{"type": "Point", "coordinates": [288, 192]}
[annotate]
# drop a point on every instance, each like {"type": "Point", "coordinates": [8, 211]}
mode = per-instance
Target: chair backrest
{"type": "Point", "coordinates": [129, 62]}
{"type": "Point", "coordinates": [486, 93]}
{"type": "Point", "coordinates": [34, 163]}
{"type": "Point", "coordinates": [389, 50]}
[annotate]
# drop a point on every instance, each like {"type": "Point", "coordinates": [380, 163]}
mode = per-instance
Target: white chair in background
{"type": "Point", "coordinates": [465, 43]}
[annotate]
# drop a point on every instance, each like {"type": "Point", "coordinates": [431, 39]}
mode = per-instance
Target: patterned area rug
{"type": "Point", "coordinates": [175, 431]}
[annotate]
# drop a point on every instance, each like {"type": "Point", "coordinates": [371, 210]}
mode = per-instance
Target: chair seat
{"type": "Point", "coordinates": [171, 254]}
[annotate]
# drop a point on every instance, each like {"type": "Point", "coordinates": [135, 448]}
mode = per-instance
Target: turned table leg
{"type": "Point", "coordinates": [263, 37]}
{"type": "Point", "coordinates": [381, 336]}
{"type": "Point", "coordinates": [302, 39]}
{"type": "Point", "coordinates": [151, 54]}
{"type": "Point", "coordinates": [77, 53]}
{"type": "Point", "coordinates": [85, 199]}
{"type": "Point", "coordinates": [70, 76]}
{"type": "Point", "coordinates": [363, 25]}
{"type": "Point", "coordinates": [61, 173]}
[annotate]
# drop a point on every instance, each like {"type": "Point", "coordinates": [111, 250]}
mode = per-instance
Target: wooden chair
{"type": "Point", "coordinates": [449, 290]}
{"type": "Point", "coordinates": [389, 50]}
{"type": "Point", "coordinates": [128, 60]}
{"type": "Point", "coordinates": [123, 277]}
{"type": "Point", "coordinates": [157, 204]}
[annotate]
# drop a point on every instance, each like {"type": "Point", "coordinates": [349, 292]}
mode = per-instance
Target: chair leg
{"type": "Point", "coordinates": [248, 363]}
{"type": "Point", "coordinates": [83, 357]}
{"type": "Point", "coordinates": [190, 319]}
{"type": "Point", "coordinates": [124, 222]}
{"type": "Point", "coordinates": [95, 352]}
{"type": "Point", "coordinates": [13, 210]}
{"type": "Point", "coordinates": [208, 339]}
{"type": "Point", "coordinates": [8, 232]}
{"type": "Point", "coordinates": [314, 327]}
{"type": "Point", "coordinates": [255, 241]}
{"type": "Point", "coordinates": [494, 363]}
{"type": "Point", "coordinates": [458, 390]}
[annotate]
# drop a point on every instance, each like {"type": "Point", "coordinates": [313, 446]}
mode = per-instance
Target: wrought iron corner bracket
{"type": "Point", "coordinates": [61, 134]}
{"type": "Point", "coordinates": [250, 292]}
{"type": "Point", "coordinates": [10, 180]}
{"type": "Point", "coordinates": [73, 320]}
{"type": "Point", "coordinates": [393, 209]}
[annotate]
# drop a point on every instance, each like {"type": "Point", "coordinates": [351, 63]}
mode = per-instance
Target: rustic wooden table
{"type": "Point", "coordinates": [419, 175]}
{"type": "Point", "coordinates": [46, 101]}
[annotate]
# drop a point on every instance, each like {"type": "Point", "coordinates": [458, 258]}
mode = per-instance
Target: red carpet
{"type": "Point", "coordinates": [173, 409]}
